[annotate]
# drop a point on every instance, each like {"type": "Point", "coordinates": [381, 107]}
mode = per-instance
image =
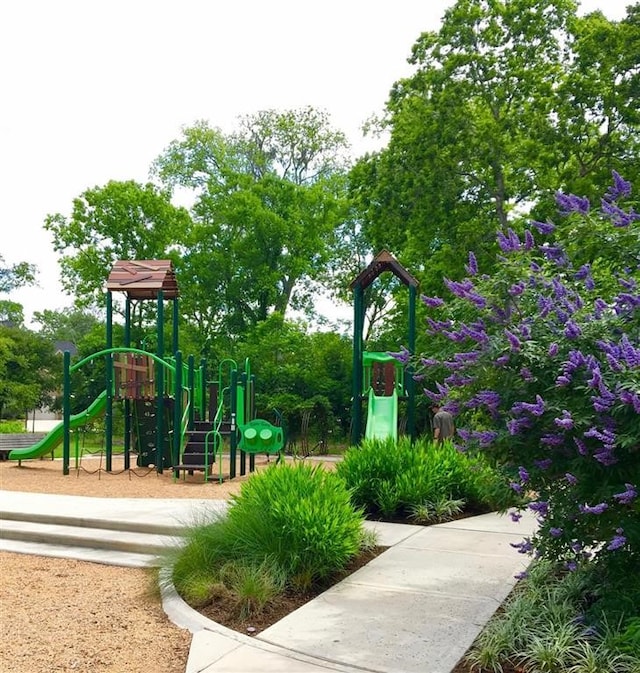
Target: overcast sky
{"type": "Point", "coordinates": [94, 90]}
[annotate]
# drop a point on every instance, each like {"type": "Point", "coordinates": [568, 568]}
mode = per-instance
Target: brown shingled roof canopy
{"type": "Point", "coordinates": [383, 261]}
{"type": "Point", "coordinates": [143, 279]}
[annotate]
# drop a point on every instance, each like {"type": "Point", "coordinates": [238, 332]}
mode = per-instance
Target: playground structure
{"type": "Point", "coordinates": [174, 418]}
{"type": "Point", "coordinates": [378, 378]}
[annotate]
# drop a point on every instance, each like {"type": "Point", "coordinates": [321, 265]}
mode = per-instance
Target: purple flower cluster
{"type": "Point", "coordinates": [570, 203]}
{"type": "Point", "coordinates": [537, 408]}
{"type": "Point", "coordinates": [596, 509]}
{"type": "Point", "coordinates": [547, 370]}
{"type": "Point", "coordinates": [620, 189]}
{"type": "Point", "coordinates": [618, 216]}
{"type": "Point", "coordinates": [627, 496]}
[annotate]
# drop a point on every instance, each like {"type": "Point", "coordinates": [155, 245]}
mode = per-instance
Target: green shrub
{"type": "Point", "coordinates": [393, 478]}
{"type": "Point", "coordinates": [290, 525]}
{"type": "Point", "coordinates": [300, 517]}
{"type": "Point", "coordinates": [629, 639]}
{"type": "Point", "coordinates": [11, 427]}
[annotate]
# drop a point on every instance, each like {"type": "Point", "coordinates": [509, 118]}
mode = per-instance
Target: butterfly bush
{"type": "Point", "coordinates": [541, 364]}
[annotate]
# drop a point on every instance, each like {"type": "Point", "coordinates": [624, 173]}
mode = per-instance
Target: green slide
{"type": "Point", "coordinates": [55, 437]}
{"type": "Point", "coordinates": [382, 416]}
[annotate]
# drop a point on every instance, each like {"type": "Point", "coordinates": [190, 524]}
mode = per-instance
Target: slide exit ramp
{"type": "Point", "coordinates": [55, 437]}
{"type": "Point", "coordinates": [382, 416]}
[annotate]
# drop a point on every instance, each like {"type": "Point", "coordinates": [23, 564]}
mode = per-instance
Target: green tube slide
{"type": "Point", "coordinates": [55, 437]}
{"type": "Point", "coordinates": [382, 416]}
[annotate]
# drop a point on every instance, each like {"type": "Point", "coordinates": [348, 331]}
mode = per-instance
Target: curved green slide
{"type": "Point", "coordinates": [55, 437]}
{"type": "Point", "coordinates": [382, 416]}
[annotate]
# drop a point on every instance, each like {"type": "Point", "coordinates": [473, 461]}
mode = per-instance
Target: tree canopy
{"type": "Point", "coordinates": [508, 101]}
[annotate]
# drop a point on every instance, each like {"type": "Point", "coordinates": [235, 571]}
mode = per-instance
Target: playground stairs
{"type": "Point", "coordinates": [200, 452]}
{"type": "Point", "coordinates": [113, 540]}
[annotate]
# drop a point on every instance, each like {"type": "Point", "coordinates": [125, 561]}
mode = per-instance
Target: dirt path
{"type": "Point", "coordinates": [59, 615]}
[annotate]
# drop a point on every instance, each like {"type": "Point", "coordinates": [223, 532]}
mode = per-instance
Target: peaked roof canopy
{"type": "Point", "coordinates": [143, 279]}
{"type": "Point", "coordinates": [383, 261]}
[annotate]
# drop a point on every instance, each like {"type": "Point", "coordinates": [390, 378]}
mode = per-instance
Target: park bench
{"type": "Point", "coordinates": [18, 440]}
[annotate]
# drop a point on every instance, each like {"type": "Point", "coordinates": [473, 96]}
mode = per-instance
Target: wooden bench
{"type": "Point", "coordinates": [21, 440]}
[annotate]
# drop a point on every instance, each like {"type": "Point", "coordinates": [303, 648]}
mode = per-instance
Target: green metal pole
{"type": "Point", "coordinates": [160, 439]}
{"type": "Point", "coordinates": [410, 383]}
{"type": "Point", "coordinates": [233, 437]}
{"type": "Point", "coordinates": [177, 411]}
{"type": "Point", "coordinates": [192, 389]}
{"type": "Point", "coordinates": [66, 412]}
{"type": "Point", "coordinates": [251, 413]}
{"type": "Point", "coordinates": [127, 401]}
{"type": "Point", "coordinates": [108, 419]}
{"type": "Point", "coordinates": [356, 412]}
{"type": "Point", "coordinates": [241, 415]}
{"type": "Point", "coordinates": [176, 315]}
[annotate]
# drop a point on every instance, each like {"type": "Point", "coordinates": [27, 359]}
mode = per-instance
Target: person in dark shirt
{"type": "Point", "coordinates": [443, 424]}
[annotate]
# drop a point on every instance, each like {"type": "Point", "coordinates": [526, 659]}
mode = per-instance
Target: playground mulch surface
{"type": "Point", "coordinates": [60, 615]}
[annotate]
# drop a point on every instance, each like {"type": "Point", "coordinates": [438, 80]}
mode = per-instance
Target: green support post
{"type": "Point", "coordinates": [108, 418]}
{"type": "Point", "coordinates": [233, 439]}
{"type": "Point", "coordinates": [66, 413]}
{"type": "Point", "coordinates": [127, 401]}
{"type": "Point", "coordinates": [410, 384]}
{"type": "Point", "coordinates": [358, 320]}
{"type": "Point", "coordinates": [160, 385]}
{"type": "Point", "coordinates": [241, 416]}
{"type": "Point", "coordinates": [177, 411]}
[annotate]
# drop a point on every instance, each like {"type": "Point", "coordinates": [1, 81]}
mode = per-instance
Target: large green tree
{"type": "Point", "coordinates": [508, 101]}
{"type": "Point", "coordinates": [122, 220]}
{"type": "Point", "coordinates": [267, 201]}
{"type": "Point", "coordinates": [30, 372]}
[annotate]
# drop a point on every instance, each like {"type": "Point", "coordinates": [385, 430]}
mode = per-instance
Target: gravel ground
{"type": "Point", "coordinates": [60, 615]}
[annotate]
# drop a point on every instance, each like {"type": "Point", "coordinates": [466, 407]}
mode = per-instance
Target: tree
{"type": "Point", "coordinates": [29, 371]}
{"type": "Point", "coordinates": [266, 202]}
{"type": "Point", "coordinates": [508, 101]}
{"type": "Point", "coordinates": [71, 325]}
{"type": "Point", "coordinates": [11, 313]}
{"type": "Point", "coordinates": [122, 220]}
{"type": "Point", "coordinates": [15, 276]}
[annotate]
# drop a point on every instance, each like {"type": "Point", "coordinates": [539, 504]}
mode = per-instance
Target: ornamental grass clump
{"type": "Point", "coordinates": [290, 527]}
{"type": "Point", "coordinates": [546, 625]}
{"type": "Point", "coordinates": [298, 516]}
{"type": "Point", "coordinates": [391, 479]}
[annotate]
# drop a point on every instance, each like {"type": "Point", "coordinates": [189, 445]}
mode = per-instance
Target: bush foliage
{"type": "Point", "coordinates": [390, 479]}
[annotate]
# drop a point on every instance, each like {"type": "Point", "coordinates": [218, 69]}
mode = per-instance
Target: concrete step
{"type": "Point", "coordinates": [117, 523]}
{"type": "Point", "coordinates": [140, 542]}
{"type": "Point", "coordinates": [94, 538]}
{"type": "Point", "coordinates": [115, 558]}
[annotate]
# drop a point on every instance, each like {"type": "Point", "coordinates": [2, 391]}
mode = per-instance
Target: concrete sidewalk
{"type": "Point", "coordinates": [415, 608]}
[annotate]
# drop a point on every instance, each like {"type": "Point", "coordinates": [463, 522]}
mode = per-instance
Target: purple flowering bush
{"type": "Point", "coordinates": [540, 363]}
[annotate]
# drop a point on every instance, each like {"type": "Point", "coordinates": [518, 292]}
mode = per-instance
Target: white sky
{"type": "Point", "coordinates": [94, 90]}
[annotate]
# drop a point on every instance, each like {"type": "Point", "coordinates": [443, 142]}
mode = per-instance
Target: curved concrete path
{"type": "Point", "coordinates": [416, 608]}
